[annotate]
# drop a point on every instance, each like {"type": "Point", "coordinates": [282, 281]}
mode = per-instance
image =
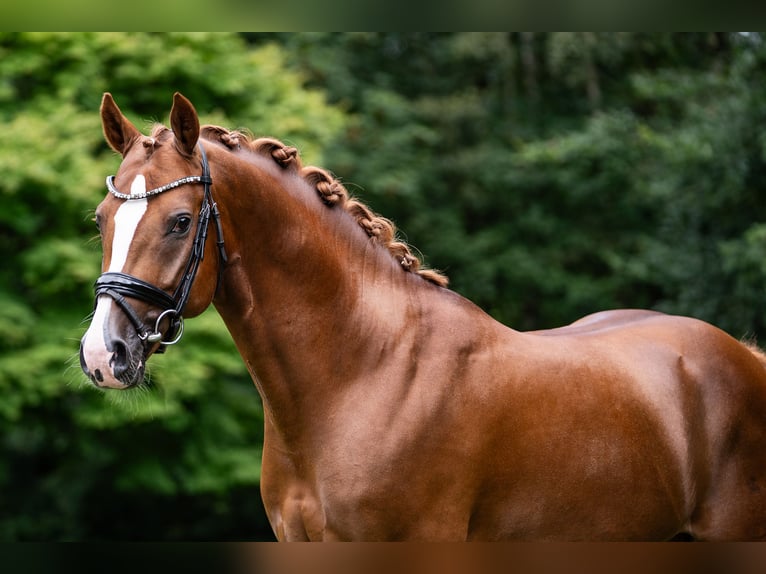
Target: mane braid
{"type": "Point", "coordinates": [332, 192]}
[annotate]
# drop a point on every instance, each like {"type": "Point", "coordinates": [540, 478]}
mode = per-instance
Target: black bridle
{"type": "Point", "coordinates": [120, 286]}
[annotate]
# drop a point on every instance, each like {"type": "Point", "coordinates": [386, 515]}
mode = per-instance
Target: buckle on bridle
{"type": "Point", "coordinates": [176, 327]}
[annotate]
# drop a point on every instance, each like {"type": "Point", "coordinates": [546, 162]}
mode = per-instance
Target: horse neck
{"type": "Point", "coordinates": [305, 293]}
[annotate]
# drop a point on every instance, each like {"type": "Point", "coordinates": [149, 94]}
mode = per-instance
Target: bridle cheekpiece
{"type": "Point", "coordinates": [119, 285]}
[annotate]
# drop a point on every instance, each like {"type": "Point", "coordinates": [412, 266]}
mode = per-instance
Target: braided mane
{"type": "Point", "coordinates": [331, 192]}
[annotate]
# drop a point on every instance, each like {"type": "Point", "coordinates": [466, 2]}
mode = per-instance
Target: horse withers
{"type": "Point", "coordinates": [395, 408]}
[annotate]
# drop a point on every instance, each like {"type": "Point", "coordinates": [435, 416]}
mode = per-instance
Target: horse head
{"type": "Point", "coordinates": [155, 267]}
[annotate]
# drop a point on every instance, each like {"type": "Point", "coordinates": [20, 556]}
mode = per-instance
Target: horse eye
{"type": "Point", "coordinates": [182, 224]}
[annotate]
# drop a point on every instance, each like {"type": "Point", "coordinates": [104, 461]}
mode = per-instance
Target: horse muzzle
{"type": "Point", "coordinates": [111, 353]}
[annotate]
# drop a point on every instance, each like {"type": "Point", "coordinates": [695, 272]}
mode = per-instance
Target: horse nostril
{"type": "Point", "coordinates": [120, 361]}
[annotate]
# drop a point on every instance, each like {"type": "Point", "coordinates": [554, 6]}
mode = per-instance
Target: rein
{"type": "Point", "coordinates": [119, 285]}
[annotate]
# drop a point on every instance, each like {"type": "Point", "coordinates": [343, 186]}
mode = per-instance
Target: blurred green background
{"type": "Point", "coordinates": [550, 175]}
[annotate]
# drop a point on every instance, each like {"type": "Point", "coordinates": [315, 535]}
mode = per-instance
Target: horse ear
{"type": "Point", "coordinates": [120, 134]}
{"type": "Point", "coordinates": [185, 124]}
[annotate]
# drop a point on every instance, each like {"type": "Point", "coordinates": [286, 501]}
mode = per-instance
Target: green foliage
{"type": "Point", "coordinates": [553, 175]}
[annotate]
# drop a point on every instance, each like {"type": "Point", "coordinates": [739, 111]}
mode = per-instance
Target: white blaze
{"type": "Point", "coordinates": [126, 220]}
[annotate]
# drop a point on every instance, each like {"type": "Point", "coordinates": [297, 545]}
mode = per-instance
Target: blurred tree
{"type": "Point", "coordinates": [556, 174]}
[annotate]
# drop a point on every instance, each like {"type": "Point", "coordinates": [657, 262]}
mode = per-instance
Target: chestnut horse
{"type": "Point", "coordinates": [395, 408]}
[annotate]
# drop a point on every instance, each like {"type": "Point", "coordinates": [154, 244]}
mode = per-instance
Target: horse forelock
{"type": "Point", "coordinates": [161, 133]}
{"type": "Point", "coordinates": [331, 192]}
